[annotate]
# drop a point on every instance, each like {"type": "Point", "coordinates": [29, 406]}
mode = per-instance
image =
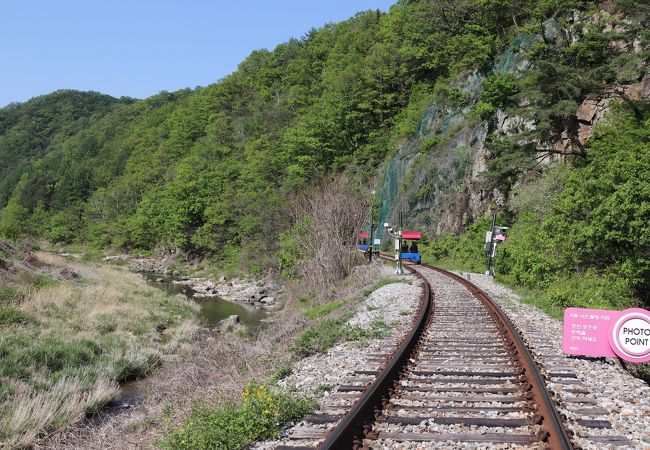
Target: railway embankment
{"type": "Point", "coordinates": [600, 399]}
{"type": "Point", "coordinates": [324, 376]}
{"type": "Point", "coordinates": [600, 405]}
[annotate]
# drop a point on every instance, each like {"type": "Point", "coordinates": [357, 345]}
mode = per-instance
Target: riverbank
{"type": "Point", "coordinates": [73, 330]}
{"type": "Point", "coordinates": [216, 368]}
{"type": "Point", "coordinates": [262, 293]}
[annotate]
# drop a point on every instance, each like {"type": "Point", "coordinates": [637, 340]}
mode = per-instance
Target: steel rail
{"type": "Point", "coordinates": [356, 422]}
{"type": "Point", "coordinates": [555, 433]}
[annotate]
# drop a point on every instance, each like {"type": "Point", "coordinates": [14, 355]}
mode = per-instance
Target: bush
{"type": "Point", "coordinates": [590, 290]}
{"type": "Point", "coordinates": [62, 228]}
{"type": "Point", "coordinates": [461, 253]}
{"type": "Point", "coordinates": [528, 257]}
{"type": "Point", "coordinates": [235, 426]}
{"type": "Point", "coordinates": [13, 220]}
{"type": "Point", "coordinates": [499, 90]}
{"type": "Point", "coordinates": [587, 290]}
{"type": "Point", "coordinates": [482, 110]}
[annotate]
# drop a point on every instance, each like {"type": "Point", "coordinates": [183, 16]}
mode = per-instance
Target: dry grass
{"type": "Point", "coordinates": [64, 403]}
{"type": "Point", "coordinates": [214, 369]}
{"type": "Point", "coordinates": [85, 334]}
{"type": "Point", "coordinates": [332, 215]}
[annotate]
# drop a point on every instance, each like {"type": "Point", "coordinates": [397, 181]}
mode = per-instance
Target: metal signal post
{"type": "Point", "coordinates": [397, 235]}
{"type": "Point", "coordinates": [372, 226]}
{"type": "Point", "coordinates": [491, 237]}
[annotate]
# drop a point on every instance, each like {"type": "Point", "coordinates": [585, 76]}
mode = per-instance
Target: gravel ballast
{"type": "Point", "coordinates": [623, 399]}
{"type": "Point", "coordinates": [319, 375]}
{"type": "Point", "coordinates": [604, 406]}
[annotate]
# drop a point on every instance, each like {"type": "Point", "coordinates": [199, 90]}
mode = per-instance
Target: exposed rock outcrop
{"type": "Point", "coordinates": [263, 292]}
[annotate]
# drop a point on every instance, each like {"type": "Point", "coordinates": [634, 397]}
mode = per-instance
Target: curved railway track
{"type": "Point", "coordinates": [460, 377]}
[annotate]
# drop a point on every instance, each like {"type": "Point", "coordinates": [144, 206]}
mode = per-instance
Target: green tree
{"type": "Point", "coordinates": [13, 220]}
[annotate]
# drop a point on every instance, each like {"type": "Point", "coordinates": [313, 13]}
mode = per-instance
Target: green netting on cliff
{"type": "Point", "coordinates": [419, 183]}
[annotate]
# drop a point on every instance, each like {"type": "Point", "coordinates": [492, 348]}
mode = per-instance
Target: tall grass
{"type": "Point", "coordinates": [65, 345]}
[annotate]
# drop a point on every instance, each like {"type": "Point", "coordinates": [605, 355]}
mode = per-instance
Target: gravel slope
{"type": "Point", "coordinates": [626, 399]}
{"type": "Point", "coordinates": [320, 375]}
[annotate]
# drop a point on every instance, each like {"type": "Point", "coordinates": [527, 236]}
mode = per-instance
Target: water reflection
{"type": "Point", "coordinates": [213, 309]}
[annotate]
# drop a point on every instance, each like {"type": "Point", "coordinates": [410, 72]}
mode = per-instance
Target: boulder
{"type": "Point", "coordinates": [268, 300]}
{"type": "Point", "coordinates": [229, 324]}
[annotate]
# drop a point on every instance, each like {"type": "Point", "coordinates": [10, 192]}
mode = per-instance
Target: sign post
{"type": "Point", "coordinates": [397, 235]}
{"type": "Point", "coordinates": [492, 238]}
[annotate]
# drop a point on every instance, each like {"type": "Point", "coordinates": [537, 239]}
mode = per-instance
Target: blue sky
{"type": "Point", "coordinates": [140, 47]}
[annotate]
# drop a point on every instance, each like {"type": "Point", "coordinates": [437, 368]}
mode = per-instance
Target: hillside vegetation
{"type": "Point", "coordinates": [271, 169]}
{"type": "Point", "coordinates": [207, 172]}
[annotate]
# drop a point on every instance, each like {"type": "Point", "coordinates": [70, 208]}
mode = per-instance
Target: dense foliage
{"type": "Point", "coordinates": [581, 236]}
{"type": "Point", "coordinates": [208, 171]}
{"type": "Point", "coordinates": [578, 57]}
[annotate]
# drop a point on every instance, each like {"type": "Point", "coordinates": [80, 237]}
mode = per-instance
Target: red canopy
{"type": "Point", "coordinates": [363, 235]}
{"type": "Point", "coordinates": [411, 235]}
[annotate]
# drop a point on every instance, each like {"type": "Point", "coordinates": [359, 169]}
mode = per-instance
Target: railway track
{"type": "Point", "coordinates": [461, 377]}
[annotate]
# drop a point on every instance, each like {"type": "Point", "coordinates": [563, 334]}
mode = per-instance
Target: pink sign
{"type": "Point", "coordinates": [597, 332]}
{"type": "Point", "coordinates": [586, 332]}
{"type": "Point", "coordinates": [630, 335]}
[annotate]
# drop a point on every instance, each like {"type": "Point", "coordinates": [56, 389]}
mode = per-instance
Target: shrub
{"type": "Point", "coordinates": [590, 290]}
{"type": "Point", "coordinates": [482, 110]}
{"type": "Point", "coordinates": [499, 90]}
{"type": "Point", "coordinates": [462, 253]}
{"type": "Point", "coordinates": [235, 426]}
{"type": "Point", "coordinates": [13, 220]}
{"type": "Point", "coordinates": [62, 227]}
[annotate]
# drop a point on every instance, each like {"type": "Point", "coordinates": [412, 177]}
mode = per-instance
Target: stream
{"type": "Point", "coordinates": [213, 310]}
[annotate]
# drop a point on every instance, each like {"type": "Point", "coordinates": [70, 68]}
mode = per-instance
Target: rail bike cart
{"type": "Point", "coordinates": [363, 242]}
{"type": "Point", "coordinates": [413, 252]}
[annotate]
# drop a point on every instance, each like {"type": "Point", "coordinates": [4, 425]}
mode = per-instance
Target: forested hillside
{"type": "Point", "coordinates": [207, 172]}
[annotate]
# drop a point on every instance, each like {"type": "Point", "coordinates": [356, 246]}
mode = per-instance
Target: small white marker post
{"type": "Point", "coordinates": [397, 235]}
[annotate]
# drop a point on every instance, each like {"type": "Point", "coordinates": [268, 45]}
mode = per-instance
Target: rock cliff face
{"type": "Point", "coordinates": [436, 177]}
